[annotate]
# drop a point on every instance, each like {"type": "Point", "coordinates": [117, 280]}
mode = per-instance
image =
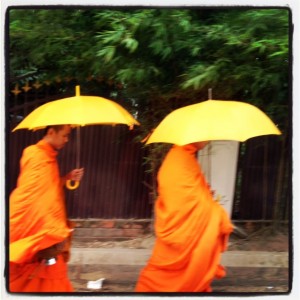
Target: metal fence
{"type": "Point", "coordinates": [116, 182]}
{"type": "Point", "coordinates": [263, 188]}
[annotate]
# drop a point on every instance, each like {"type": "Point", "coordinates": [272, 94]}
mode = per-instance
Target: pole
{"type": "Point", "coordinates": [68, 183]}
{"type": "Point", "coordinates": [78, 147]}
{"type": "Point", "coordinates": [210, 94]}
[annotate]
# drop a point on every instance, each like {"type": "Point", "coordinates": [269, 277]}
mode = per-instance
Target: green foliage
{"type": "Point", "coordinates": [163, 58]}
{"type": "Point", "coordinates": [170, 53]}
{"type": "Point", "coordinates": [247, 51]}
{"type": "Point", "coordinates": [56, 42]}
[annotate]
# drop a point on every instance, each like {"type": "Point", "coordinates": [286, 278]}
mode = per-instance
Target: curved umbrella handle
{"type": "Point", "coordinates": [70, 186]}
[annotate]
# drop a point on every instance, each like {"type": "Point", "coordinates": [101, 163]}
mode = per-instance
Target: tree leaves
{"type": "Point", "coordinates": [130, 43]}
{"type": "Point", "coordinates": [170, 53]}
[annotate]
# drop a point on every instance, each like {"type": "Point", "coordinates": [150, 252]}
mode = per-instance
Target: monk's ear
{"type": "Point", "coordinates": [50, 131]}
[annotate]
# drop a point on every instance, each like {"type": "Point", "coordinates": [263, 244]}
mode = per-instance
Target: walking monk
{"type": "Point", "coordinates": [39, 232]}
{"type": "Point", "coordinates": [191, 228]}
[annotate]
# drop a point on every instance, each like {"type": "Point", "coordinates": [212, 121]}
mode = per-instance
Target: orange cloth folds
{"type": "Point", "coordinates": [37, 209]}
{"type": "Point", "coordinates": [37, 277]}
{"type": "Point", "coordinates": [191, 229]}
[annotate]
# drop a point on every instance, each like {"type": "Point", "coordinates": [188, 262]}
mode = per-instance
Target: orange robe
{"type": "Point", "coordinates": [191, 229]}
{"type": "Point", "coordinates": [37, 221]}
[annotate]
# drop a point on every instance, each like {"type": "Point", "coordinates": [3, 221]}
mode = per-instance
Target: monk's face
{"type": "Point", "coordinates": [58, 139]}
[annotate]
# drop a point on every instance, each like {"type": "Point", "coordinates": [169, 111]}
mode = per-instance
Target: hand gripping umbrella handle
{"type": "Point", "coordinates": [69, 182]}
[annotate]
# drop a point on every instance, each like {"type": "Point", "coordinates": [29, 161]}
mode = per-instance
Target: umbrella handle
{"type": "Point", "coordinates": [69, 182]}
{"type": "Point", "coordinates": [70, 186]}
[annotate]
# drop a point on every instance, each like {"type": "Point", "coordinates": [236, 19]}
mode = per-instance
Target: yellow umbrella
{"type": "Point", "coordinates": [213, 120]}
{"type": "Point", "coordinates": [77, 111]}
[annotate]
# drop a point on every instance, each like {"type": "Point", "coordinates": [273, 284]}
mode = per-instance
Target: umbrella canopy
{"type": "Point", "coordinates": [77, 110]}
{"type": "Point", "coordinates": [213, 120]}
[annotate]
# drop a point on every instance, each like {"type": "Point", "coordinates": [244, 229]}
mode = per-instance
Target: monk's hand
{"type": "Point", "coordinates": [51, 252]}
{"type": "Point", "coordinates": [74, 177]}
{"type": "Point", "coordinates": [76, 174]}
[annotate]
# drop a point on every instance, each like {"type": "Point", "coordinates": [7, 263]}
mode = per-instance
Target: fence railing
{"type": "Point", "coordinates": [116, 183]}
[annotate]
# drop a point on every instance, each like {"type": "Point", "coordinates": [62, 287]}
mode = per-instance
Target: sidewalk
{"type": "Point", "coordinates": [139, 257]}
{"type": "Point", "coordinates": [247, 271]}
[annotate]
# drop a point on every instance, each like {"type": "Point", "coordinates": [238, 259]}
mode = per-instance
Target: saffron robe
{"type": "Point", "coordinates": [191, 228]}
{"type": "Point", "coordinates": [37, 221]}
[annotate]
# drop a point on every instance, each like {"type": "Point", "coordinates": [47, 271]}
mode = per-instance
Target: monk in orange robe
{"type": "Point", "coordinates": [191, 228]}
{"type": "Point", "coordinates": [38, 226]}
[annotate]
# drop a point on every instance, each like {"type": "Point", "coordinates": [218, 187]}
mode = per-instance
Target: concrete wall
{"type": "Point", "coordinates": [219, 164]}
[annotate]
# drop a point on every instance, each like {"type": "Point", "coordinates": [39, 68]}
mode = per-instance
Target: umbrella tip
{"type": "Point", "coordinates": [210, 94]}
{"type": "Point", "coordinates": [77, 90]}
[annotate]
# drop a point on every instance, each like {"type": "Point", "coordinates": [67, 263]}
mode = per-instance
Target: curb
{"type": "Point", "coordinates": [128, 256]}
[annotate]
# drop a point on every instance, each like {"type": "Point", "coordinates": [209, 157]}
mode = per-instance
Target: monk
{"type": "Point", "coordinates": [39, 233]}
{"type": "Point", "coordinates": [191, 228]}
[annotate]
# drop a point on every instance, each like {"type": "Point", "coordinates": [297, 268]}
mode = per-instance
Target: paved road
{"type": "Point", "coordinates": [122, 279]}
{"type": "Point", "coordinates": [247, 271]}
